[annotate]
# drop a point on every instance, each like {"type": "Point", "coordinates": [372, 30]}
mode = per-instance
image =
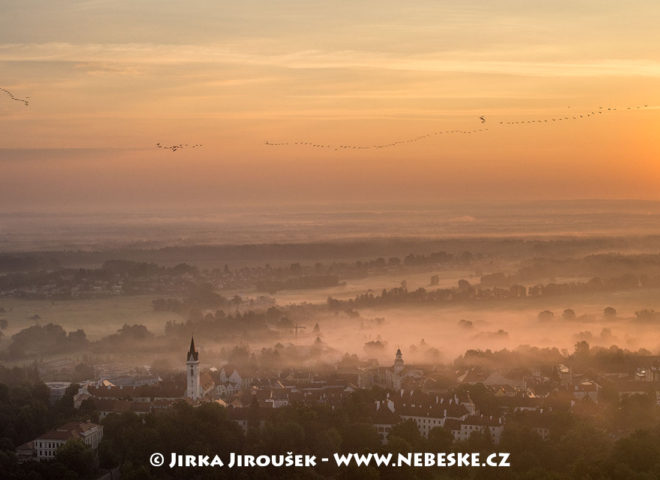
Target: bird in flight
{"type": "Point", "coordinates": [11, 95]}
{"type": "Point", "coordinates": [483, 119]}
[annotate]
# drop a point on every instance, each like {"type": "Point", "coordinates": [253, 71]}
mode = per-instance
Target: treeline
{"type": "Point", "coordinates": [584, 358]}
{"type": "Point", "coordinates": [644, 267]}
{"type": "Point", "coordinates": [127, 277]}
{"type": "Point", "coordinates": [253, 254]}
{"type": "Point", "coordinates": [201, 296]}
{"type": "Point", "coordinates": [465, 292]}
{"type": "Point", "coordinates": [43, 340]}
{"type": "Point", "coordinates": [298, 275]}
{"type": "Point", "coordinates": [522, 357]}
{"type": "Point", "coordinates": [221, 325]}
{"type": "Point", "coordinates": [113, 278]}
{"type": "Point", "coordinates": [51, 339]}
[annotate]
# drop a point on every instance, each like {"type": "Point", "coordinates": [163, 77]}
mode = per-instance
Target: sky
{"type": "Point", "coordinates": [107, 80]}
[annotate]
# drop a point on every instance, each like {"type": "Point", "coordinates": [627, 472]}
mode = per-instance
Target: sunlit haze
{"type": "Point", "coordinates": [107, 80]}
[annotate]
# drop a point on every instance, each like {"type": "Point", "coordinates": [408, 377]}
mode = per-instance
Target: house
{"type": "Point", "coordinates": [586, 389]}
{"type": "Point", "coordinates": [480, 423]}
{"type": "Point", "coordinates": [627, 388]}
{"type": "Point", "coordinates": [45, 446]}
{"type": "Point", "coordinates": [565, 375]}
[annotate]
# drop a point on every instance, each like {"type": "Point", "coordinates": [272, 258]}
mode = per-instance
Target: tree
{"type": "Point", "coordinates": [609, 313]}
{"type": "Point", "coordinates": [360, 437]}
{"type": "Point", "coordinates": [64, 405]}
{"type": "Point", "coordinates": [76, 456]}
{"type": "Point", "coordinates": [407, 431]}
{"type": "Point", "coordinates": [546, 316]}
{"type": "Point", "coordinates": [582, 349]}
{"type": "Point", "coordinates": [440, 439]}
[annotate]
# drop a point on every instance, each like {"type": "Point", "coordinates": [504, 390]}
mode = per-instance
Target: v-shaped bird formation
{"type": "Point", "coordinates": [537, 121]}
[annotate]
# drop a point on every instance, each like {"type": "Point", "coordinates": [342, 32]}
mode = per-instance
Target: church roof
{"type": "Point", "coordinates": [193, 355]}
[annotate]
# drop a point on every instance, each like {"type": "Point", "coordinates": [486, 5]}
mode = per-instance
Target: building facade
{"type": "Point", "coordinates": [45, 447]}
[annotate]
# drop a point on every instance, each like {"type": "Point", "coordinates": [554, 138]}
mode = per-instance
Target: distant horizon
{"type": "Point", "coordinates": [210, 207]}
{"type": "Point", "coordinates": [313, 223]}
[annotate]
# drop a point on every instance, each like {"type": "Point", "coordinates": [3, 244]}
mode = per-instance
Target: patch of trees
{"type": "Point", "coordinates": [221, 325]}
{"type": "Point", "coordinates": [201, 296]}
{"type": "Point", "coordinates": [520, 357]}
{"type": "Point", "coordinates": [25, 408]}
{"type": "Point", "coordinates": [126, 337]}
{"type": "Point", "coordinates": [45, 340]}
{"type": "Point", "coordinates": [596, 265]}
{"type": "Point", "coordinates": [610, 359]}
{"type": "Point", "coordinates": [50, 339]}
{"type": "Point", "coordinates": [130, 277]}
{"type": "Point", "coordinates": [144, 269]}
{"type": "Point", "coordinates": [465, 292]}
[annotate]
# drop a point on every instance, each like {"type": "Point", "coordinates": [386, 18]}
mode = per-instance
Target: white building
{"type": "Point", "coordinates": [45, 446]}
{"type": "Point", "coordinates": [462, 430]}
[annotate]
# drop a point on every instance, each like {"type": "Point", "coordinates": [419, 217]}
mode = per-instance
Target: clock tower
{"type": "Point", "coordinates": [193, 390]}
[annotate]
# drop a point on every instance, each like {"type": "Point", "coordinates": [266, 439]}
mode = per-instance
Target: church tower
{"type": "Point", "coordinates": [398, 361]}
{"type": "Point", "coordinates": [193, 390]}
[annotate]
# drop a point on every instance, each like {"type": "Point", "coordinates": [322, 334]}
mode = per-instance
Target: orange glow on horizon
{"type": "Point", "coordinates": [232, 78]}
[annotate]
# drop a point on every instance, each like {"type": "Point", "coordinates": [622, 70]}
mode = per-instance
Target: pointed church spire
{"type": "Point", "coordinates": [192, 353]}
{"type": "Point", "coordinates": [193, 389]}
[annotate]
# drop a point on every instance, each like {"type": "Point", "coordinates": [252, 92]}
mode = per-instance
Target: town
{"type": "Point", "coordinates": [470, 400]}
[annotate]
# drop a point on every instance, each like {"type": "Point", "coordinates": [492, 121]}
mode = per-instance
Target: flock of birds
{"type": "Point", "coordinates": [25, 100]}
{"type": "Point", "coordinates": [482, 119]}
{"type": "Point", "coordinates": [384, 145]}
{"type": "Point", "coordinates": [180, 146]}
{"type": "Point", "coordinates": [173, 148]}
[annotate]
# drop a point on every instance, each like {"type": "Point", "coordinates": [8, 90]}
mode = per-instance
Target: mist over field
{"type": "Point", "coordinates": [111, 227]}
{"type": "Point", "coordinates": [296, 263]}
